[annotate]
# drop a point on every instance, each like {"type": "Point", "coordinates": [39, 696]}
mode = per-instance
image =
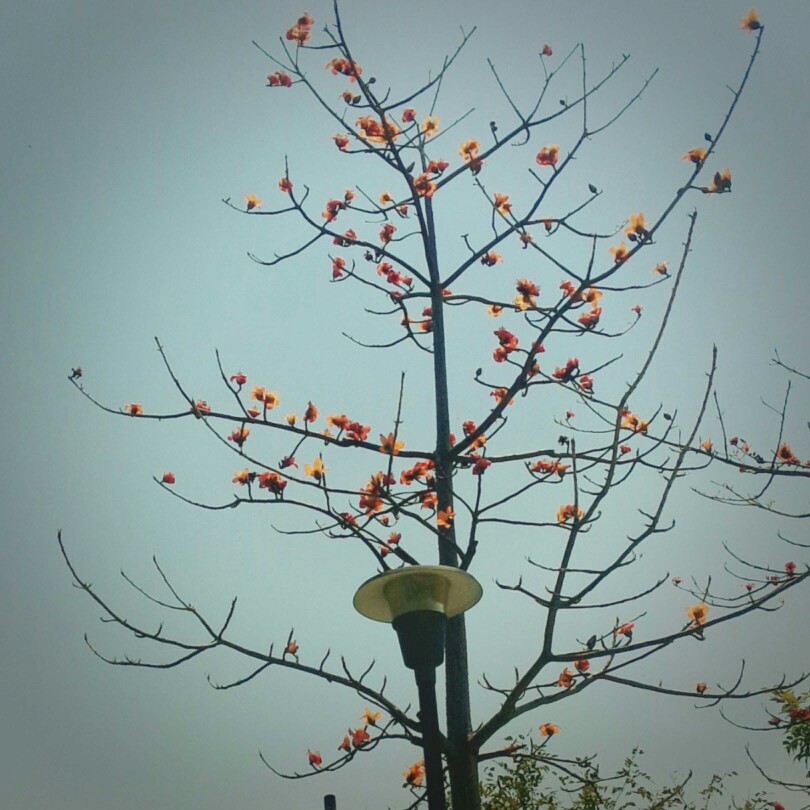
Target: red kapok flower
{"type": "Point", "coordinates": [347, 67]}
{"type": "Point", "coordinates": [332, 208]}
{"type": "Point", "coordinates": [784, 455]}
{"type": "Point", "coordinates": [300, 31]}
{"type": "Point", "coordinates": [389, 444]}
{"type": "Point", "coordinates": [437, 166]}
{"type": "Point", "coordinates": [480, 466]}
{"type": "Point", "coordinates": [370, 718]}
{"type": "Point", "coordinates": [252, 202]}
{"type": "Point", "coordinates": [168, 478]}
{"type": "Point", "coordinates": [548, 155]}
{"type": "Point", "coordinates": [550, 467]}
{"type": "Point", "coordinates": [696, 155]}
{"type": "Point", "coordinates": [267, 398]}
{"type": "Point", "coordinates": [341, 141]}
{"type": "Point", "coordinates": [415, 774]}
{"type": "Point", "coordinates": [502, 204]}
{"type": "Point", "coordinates": [566, 679]}
{"type": "Point", "coordinates": [279, 79]}
{"type": "Point", "coordinates": [700, 687]}
{"type": "Point", "coordinates": [239, 378]}
{"type": "Point", "coordinates": [636, 227]}
{"type": "Point", "coordinates": [241, 477]}
{"type": "Point", "coordinates": [568, 372]}
{"type": "Point", "coordinates": [273, 482]}
{"type": "Point", "coordinates": [751, 23]}
{"type": "Point", "coordinates": [345, 745]}
{"type": "Point", "coordinates": [315, 470]}
{"type": "Point", "coordinates": [790, 567]}
{"type": "Point", "coordinates": [549, 729]}
{"type": "Point", "coordinates": [500, 393]}
{"type": "Point", "coordinates": [338, 266]}
{"type": "Point", "coordinates": [444, 518]}
{"type": "Point", "coordinates": [527, 290]}
{"type": "Point", "coordinates": [547, 50]}
{"type": "Point", "coordinates": [430, 126]}
{"type": "Point", "coordinates": [239, 436]}
{"type": "Point", "coordinates": [315, 759]}
{"type": "Point", "coordinates": [721, 182]}
{"type": "Point", "coordinates": [408, 115]}
{"type": "Point", "coordinates": [697, 613]}
{"type": "Point", "coordinates": [423, 185]}
{"type": "Point", "coordinates": [491, 258]}
{"type": "Point", "coordinates": [469, 149]}
{"type": "Point", "coordinates": [311, 413]}
{"type": "Point", "coordinates": [360, 737]}
{"type": "Point", "coordinates": [582, 664]}
{"type": "Point", "coordinates": [387, 232]}
{"type": "Point", "coordinates": [372, 130]}
{"type": "Point", "coordinates": [285, 185]}
{"type": "Point", "coordinates": [134, 409]}
{"type": "Point", "coordinates": [590, 319]}
{"type": "Point", "coordinates": [632, 422]}
{"type": "Point", "coordinates": [619, 253]}
{"type": "Point", "coordinates": [568, 512]}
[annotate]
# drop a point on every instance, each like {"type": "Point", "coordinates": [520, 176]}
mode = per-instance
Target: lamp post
{"type": "Point", "coordinates": [417, 601]}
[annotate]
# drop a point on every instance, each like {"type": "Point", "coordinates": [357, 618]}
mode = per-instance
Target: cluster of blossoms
{"type": "Point", "coordinates": [279, 79]}
{"type": "Point", "coordinates": [356, 738]}
{"type": "Point", "coordinates": [507, 343]}
{"type": "Point", "coordinates": [591, 296]}
{"type": "Point", "coordinates": [373, 492]}
{"type": "Point", "coordinates": [394, 276]}
{"type": "Point", "coordinates": [566, 679]}
{"type": "Point", "coordinates": [353, 429]}
{"type": "Point", "coordinates": [374, 131]}
{"type": "Point", "coordinates": [631, 421]}
{"type": "Point", "coordinates": [469, 427]}
{"type": "Point", "coordinates": [555, 466]}
{"type": "Point", "coordinates": [333, 207]}
{"type": "Point", "coordinates": [567, 372]}
{"type": "Point", "coordinates": [388, 546]}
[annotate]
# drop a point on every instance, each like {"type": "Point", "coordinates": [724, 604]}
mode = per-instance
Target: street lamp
{"type": "Point", "coordinates": [418, 600]}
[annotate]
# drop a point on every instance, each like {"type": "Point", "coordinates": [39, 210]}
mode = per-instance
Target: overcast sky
{"type": "Point", "coordinates": [125, 124]}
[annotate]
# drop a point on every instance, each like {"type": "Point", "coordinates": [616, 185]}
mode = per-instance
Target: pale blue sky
{"type": "Point", "coordinates": [124, 126]}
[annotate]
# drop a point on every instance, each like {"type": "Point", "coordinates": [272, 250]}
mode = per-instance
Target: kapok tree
{"type": "Point", "coordinates": [442, 502]}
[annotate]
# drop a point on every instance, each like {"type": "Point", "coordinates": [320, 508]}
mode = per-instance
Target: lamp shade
{"type": "Point", "coordinates": [439, 588]}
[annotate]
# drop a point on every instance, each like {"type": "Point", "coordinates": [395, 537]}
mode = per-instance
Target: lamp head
{"type": "Point", "coordinates": [418, 600]}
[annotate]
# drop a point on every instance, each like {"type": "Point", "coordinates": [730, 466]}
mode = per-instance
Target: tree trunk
{"type": "Point", "coordinates": [462, 763]}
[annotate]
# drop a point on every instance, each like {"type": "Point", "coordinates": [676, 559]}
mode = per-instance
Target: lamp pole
{"type": "Point", "coordinates": [417, 601]}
